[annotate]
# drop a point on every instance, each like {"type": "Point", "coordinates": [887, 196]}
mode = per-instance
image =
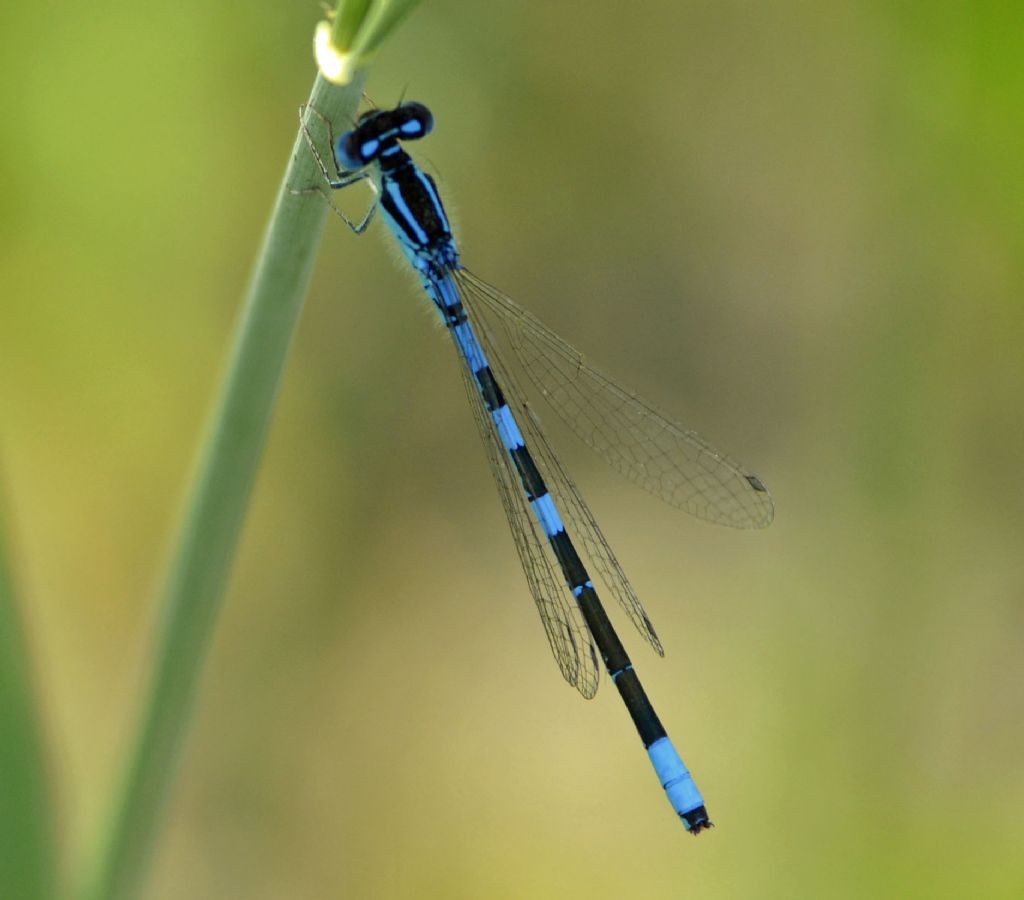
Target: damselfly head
{"type": "Point", "coordinates": [378, 129]}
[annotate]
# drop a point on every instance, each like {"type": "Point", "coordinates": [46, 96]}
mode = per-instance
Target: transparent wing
{"type": "Point", "coordinates": [582, 525]}
{"type": "Point", "coordinates": [579, 520]}
{"type": "Point", "coordinates": [568, 635]}
{"type": "Point", "coordinates": [672, 463]}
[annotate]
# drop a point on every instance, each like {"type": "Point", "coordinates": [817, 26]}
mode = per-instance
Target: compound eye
{"type": "Point", "coordinates": [355, 152]}
{"type": "Point", "coordinates": [416, 121]}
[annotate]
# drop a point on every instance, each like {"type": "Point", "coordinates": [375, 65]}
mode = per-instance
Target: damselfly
{"type": "Point", "coordinates": [549, 520]}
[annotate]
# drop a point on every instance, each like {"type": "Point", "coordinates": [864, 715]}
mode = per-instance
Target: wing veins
{"type": "Point", "coordinates": [633, 437]}
{"type": "Point", "coordinates": [579, 519]}
{"type": "Point", "coordinates": [567, 633]}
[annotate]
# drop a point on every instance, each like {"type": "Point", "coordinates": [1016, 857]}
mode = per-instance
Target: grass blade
{"type": "Point", "coordinates": [27, 849]}
{"type": "Point", "coordinates": [194, 584]}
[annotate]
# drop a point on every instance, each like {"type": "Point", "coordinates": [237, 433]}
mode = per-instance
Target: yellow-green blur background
{"type": "Point", "coordinates": [797, 226]}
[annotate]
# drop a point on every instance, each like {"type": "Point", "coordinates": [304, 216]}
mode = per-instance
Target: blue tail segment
{"type": "Point", "coordinates": [675, 778]}
{"type": "Point", "coordinates": [540, 500]}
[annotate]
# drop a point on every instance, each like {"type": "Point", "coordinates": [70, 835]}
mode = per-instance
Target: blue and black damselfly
{"type": "Point", "coordinates": [549, 520]}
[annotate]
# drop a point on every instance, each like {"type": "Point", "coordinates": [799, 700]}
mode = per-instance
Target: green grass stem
{"type": "Point", "coordinates": [194, 584]}
{"type": "Point", "coordinates": [28, 853]}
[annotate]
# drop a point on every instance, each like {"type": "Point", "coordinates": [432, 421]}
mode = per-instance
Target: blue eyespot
{"type": "Point", "coordinates": [354, 152]}
{"type": "Point", "coordinates": [414, 120]}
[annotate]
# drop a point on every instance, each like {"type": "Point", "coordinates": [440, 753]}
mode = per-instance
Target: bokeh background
{"type": "Point", "coordinates": [799, 227]}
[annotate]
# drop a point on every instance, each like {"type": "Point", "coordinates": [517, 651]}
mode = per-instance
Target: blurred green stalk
{"type": "Point", "coordinates": [28, 857]}
{"type": "Point", "coordinates": [360, 26]}
{"type": "Point", "coordinates": [347, 20]}
{"type": "Point", "coordinates": [346, 42]}
{"type": "Point", "coordinates": [214, 515]}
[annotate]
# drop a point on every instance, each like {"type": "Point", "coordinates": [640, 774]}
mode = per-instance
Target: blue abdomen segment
{"type": "Point", "coordinates": [679, 785]}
